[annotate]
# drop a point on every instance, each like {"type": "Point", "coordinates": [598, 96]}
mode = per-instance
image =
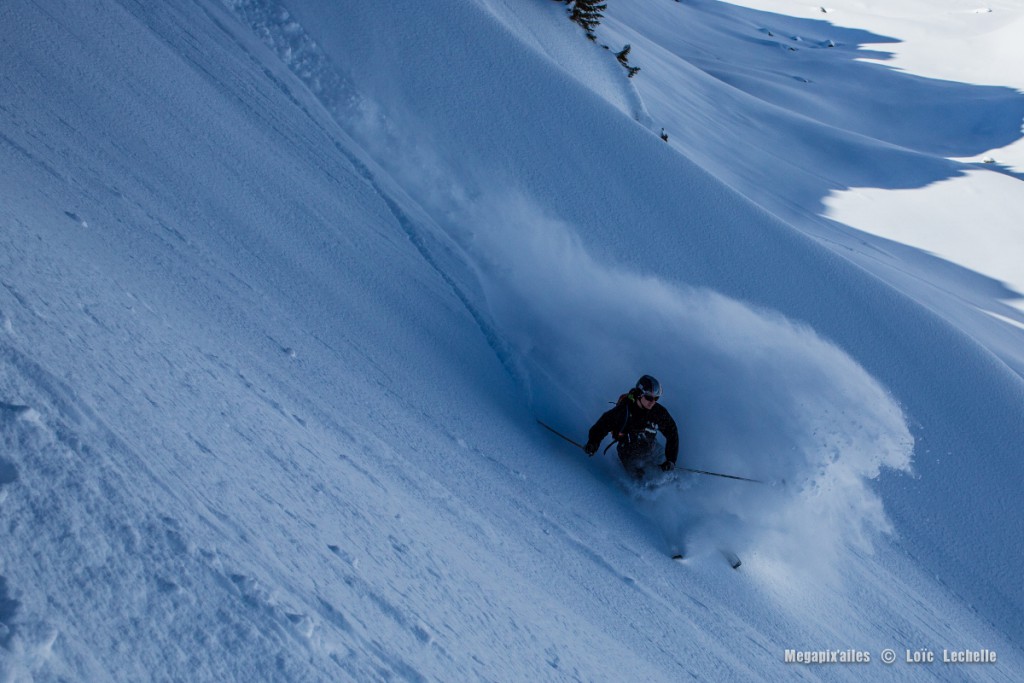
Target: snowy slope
{"type": "Point", "coordinates": [842, 119]}
{"type": "Point", "coordinates": [886, 128]}
{"type": "Point", "coordinates": [284, 288]}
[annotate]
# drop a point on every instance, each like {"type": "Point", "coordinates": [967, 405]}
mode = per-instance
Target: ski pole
{"type": "Point", "coordinates": [563, 436]}
{"type": "Point", "coordinates": [727, 476]}
{"type": "Point", "coordinates": [685, 469]}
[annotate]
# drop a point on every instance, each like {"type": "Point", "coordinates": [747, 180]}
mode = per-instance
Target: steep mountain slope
{"type": "Point", "coordinates": [283, 291]}
{"type": "Point", "coordinates": [575, 199]}
{"type": "Point", "coordinates": [882, 130]}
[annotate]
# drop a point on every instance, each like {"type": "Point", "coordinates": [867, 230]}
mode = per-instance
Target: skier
{"type": "Point", "coordinates": [634, 423]}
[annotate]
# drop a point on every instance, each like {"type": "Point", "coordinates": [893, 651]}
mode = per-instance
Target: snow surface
{"type": "Point", "coordinates": [286, 285]}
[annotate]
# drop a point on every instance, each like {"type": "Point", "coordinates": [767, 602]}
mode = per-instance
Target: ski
{"type": "Point", "coordinates": [732, 558]}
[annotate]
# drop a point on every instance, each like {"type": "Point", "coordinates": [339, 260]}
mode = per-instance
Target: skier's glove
{"type": "Point", "coordinates": [667, 466]}
{"type": "Point", "coordinates": [591, 448]}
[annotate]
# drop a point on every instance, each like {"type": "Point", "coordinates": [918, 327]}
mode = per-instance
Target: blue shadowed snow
{"type": "Point", "coordinates": [286, 284]}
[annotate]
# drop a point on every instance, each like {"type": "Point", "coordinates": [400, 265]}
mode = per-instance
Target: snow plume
{"type": "Point", "coordinates": [755, 394]}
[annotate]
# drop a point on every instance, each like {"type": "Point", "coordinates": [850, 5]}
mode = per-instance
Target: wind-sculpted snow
{"type": "Point", "coordinates": [852, 128]}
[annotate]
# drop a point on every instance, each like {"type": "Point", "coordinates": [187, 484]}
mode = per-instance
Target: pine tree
{"type": "Point", "coordinates": [623, 58]}
{"type": "Point", "coordinates": [588, 14]}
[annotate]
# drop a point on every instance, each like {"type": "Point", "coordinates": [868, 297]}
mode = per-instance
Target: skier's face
{"type": "Point", "coordinates": [647, 402]}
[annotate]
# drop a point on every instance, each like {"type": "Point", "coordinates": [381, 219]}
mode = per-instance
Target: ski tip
{"type": "Point", "coordinates": [733, 559]}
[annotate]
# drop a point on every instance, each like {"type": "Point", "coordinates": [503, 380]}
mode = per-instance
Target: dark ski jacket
{"type": "Point", "coordinates": [633, 426]}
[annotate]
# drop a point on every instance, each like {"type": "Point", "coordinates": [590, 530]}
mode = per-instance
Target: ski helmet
{"type": "Point", "coordinates": [648, 386]}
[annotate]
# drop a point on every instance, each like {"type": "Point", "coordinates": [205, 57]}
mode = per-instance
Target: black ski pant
{"type": "Point", "coordinates": [634, 456]}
